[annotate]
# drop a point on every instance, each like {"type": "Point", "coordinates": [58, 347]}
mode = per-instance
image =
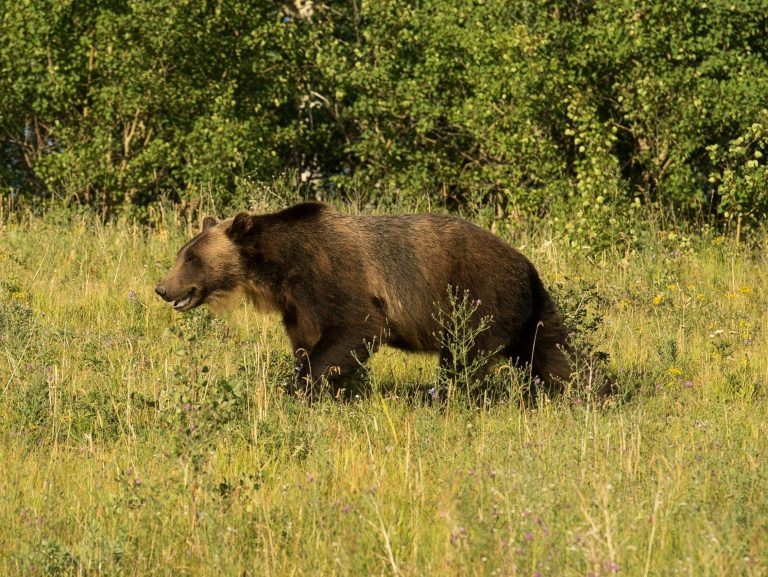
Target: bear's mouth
{"type": "Point", "coordinates": [186, 302]}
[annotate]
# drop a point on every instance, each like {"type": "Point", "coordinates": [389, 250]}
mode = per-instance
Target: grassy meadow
{"type": "Point", "coordinates": [138, 441]}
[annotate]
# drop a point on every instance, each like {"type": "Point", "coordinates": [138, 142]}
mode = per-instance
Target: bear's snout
{"type": "Point", "coordinates": [182, 301]}
{"type": "Point", "coordinates": [161, 292]}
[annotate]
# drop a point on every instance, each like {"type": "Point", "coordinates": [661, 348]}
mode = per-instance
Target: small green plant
{"type": "Point", "coordinates": [580, 305]}
{"type": "Point", "coordinates": [462, 365]}
{"type": "Point", "coordinates": [18, 324]}
{"type": "Point", "coordinates": [201, 407]}
{"type": "Point", "coordinates": [52, 559]}
{"type": "Point", "coordinates": [201, 410]}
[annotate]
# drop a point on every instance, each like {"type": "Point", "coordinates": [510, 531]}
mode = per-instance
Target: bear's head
{"type": "Point", "coordinates": [210, 267]}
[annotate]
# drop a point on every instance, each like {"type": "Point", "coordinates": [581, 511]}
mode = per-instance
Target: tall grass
{"type": "Point", "coordinates": [137, 441]}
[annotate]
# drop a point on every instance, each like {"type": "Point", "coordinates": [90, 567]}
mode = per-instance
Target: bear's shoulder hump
{"type": "Point", "coordinates": [303, 211]}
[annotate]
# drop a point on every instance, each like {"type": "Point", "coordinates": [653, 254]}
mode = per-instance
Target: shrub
{"type": "Point", "coordinates": [537, 108]}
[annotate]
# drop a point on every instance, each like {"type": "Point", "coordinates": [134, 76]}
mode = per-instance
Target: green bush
{"type": "Point", "coordinates": [542, 107]}
{"type": "Point", "coordinates": [739, 177]}
{"type": "Point", "coordinates": [120, 103]}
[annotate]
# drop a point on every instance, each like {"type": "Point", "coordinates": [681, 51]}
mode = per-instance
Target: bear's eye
{"type": "Point", "coordinates": [190, 257]}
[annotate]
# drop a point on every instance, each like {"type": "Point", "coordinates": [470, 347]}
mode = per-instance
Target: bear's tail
{"type": "Point", "coordinates": [550, 348]}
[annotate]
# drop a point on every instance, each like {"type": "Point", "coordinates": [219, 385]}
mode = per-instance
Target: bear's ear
{"type": "Point", "coordinates": [242, 227]}
{"type": "Point", "coordinates": [208, 222]}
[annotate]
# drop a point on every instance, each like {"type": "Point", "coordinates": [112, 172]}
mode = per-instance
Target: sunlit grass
{"type": "Point", "coordinates": [138, 441]}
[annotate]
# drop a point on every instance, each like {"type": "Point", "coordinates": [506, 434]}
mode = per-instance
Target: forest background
{"type": "Point", "coordinates": [580, 111]}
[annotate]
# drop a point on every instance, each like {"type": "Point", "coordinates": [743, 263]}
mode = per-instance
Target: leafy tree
{"type": "Point", "coordinates": [573, 109]}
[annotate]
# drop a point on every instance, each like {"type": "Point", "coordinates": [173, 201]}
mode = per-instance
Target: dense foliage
{"type": "Point", "coordinates": [539, 106]}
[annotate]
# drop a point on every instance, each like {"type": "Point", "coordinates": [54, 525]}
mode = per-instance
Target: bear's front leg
{"type": "Point", "coordinates": [334, 358]}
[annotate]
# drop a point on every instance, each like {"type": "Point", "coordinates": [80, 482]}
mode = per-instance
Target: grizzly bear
{"type": "Point", "coordinates": [344, 285]}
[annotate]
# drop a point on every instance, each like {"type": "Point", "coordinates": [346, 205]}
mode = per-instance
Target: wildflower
{"type": "Point", "coordinates": [131, 295]}
{"type": "Point", "coordinates": [457, 534]}
{"type": "Point", "coordinates": [17, 296]}
{"type": "Point", "coordinates": [658, 299]}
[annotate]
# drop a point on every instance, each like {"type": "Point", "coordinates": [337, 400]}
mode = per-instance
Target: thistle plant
{"type": "Point", "coordinates": [462, 363]}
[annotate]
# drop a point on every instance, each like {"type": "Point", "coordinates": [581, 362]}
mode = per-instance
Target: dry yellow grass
{"type": "Point", "coordinates": [138, 441]}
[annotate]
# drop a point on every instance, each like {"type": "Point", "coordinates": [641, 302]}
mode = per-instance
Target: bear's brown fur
{"type": "Point", "coordinates": [346, 284]}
